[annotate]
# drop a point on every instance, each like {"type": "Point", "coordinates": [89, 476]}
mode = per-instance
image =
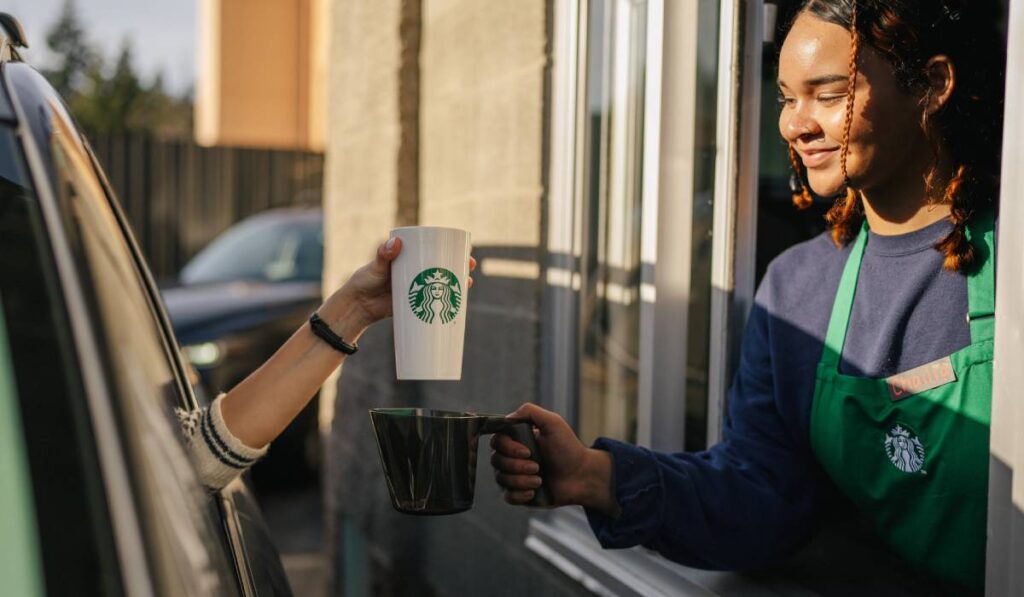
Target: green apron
{"type": "Point", "coordinates": [912, 450]}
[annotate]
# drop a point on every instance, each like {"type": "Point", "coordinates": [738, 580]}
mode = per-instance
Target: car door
{"type": "Point", "coordinates": [170, 532]}
{"type": "Point", "coordinates": [59, 509]}
{"type": "Point", "coordinates": [181, 539]}
{"type": "Point", "coordinates": [256, 559]}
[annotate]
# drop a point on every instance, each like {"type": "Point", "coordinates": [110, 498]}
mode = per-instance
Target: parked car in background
{"type": "Point", "coordinates": [98, 496]}
{"type": "Point", "coordinates": [239, 299]}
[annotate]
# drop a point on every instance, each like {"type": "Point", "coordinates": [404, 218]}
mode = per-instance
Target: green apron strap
{"type": "Point", "coordinates": [981, 288]}
{"type": "Point", "coordinates": [843, 305]}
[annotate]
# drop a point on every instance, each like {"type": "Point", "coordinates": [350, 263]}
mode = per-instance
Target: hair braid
{"type": "Point", "coordinates": [959, 253]}
{"type": "Point", "coordinates": [844, 215]}
{"type": "Point", "coordinates": [801, 197]}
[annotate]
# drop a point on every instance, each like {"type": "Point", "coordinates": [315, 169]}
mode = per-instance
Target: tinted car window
{"type": "Point", "coordinates": [266, 248]}
{"type": "Point", "coordinates": [186, 552]}
{"type": "Point", "coordinates": [72, 519]}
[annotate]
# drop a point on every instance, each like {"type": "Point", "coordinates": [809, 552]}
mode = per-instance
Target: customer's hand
{"type": "Point", "coordinates": [573, 473]}
{"type": "Point", "coordinates": [366, 297]}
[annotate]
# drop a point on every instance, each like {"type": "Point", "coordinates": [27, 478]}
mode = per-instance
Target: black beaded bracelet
{"type": "Point", "coordinates": [325, 333]}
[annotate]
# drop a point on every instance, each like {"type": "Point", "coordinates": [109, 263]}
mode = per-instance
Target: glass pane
{"type": "Point", "coordinates": [698, 333]}
{"type": "Point", "coordinates": [20, 567]}
{"type": "Point", "coordinates": [270, 247]}
{"type": "Point", "coordinates": [610, 298]}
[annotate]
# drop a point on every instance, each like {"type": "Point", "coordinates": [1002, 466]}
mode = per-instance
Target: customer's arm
{"type": "Point", "coordinates": [235, 431]}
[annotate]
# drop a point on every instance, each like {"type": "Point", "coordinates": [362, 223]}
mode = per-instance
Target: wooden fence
{"type": "Point", "coordinates": [178, 195]}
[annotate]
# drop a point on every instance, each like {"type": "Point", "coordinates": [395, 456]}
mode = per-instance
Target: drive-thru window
{"type": "Point", "coordinates": [669, 194]}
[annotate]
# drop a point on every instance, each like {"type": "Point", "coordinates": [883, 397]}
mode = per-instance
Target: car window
{"type": "Point", "coordinates": [72, 524]}
{"type": "Point", "coordinates": [266, 248]}
{"type": "Point", "coordinates": [20, 567]}
{"type": "Point", "coordinates": [180, 522]}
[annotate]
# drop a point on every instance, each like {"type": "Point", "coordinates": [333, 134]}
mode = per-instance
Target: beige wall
{"type": "Point", "coordinates": [364, 140]}
{"type": "Point", "coordinates": [482, 110]}
{"type": "Point", "coordinates": [261, 76]}
{"type": "Point", "coordinates": [437, 116]}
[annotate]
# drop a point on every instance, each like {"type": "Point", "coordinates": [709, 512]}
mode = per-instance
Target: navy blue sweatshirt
{"type": "Point", "coordinates": [752, 500]}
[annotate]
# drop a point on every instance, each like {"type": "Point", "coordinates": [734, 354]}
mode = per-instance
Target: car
{"type": "Point", "coordinates": [99, 496]}
{"type": "Point", "coordinates": [237, 301]}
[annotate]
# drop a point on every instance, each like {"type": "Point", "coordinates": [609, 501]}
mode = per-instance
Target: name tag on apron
{"type": "Point", "coordinates": [923, 378]}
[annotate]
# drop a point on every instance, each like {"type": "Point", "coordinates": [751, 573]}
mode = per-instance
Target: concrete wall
{"type": "Point", "coordinates": [438, 117]}
{"type": "Point", "coordinates": [366, 160]}
{"type": "Point", "coordinates": [482, 113]}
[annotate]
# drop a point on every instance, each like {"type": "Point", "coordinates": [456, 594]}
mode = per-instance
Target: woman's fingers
{"type": "Point", "coordinates": [543, 420]}
{"type": "Point", "coordinates": [472, 266]}
{"type": "Point", "coordinates": [518, 498]}
{"type": "Point", "coordinates": [386, 253]}
{"type": "Point", "coordinates": [516, 474]}
{"type": "Point", "coordinates": [508, 446]}
{"type": "Point", "coordinates": [518, 482]}
{"type": "Point", "coordinates": [516, 466]}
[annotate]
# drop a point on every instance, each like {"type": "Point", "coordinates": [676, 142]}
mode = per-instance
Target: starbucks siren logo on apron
{"type": "Point", "coordinates": [435, 296]}
{"type": "Point", "coordinates": [904, 449]}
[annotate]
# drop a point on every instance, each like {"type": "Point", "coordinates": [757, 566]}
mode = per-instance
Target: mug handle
{"type": "Point", "coordinates": [522, 431]}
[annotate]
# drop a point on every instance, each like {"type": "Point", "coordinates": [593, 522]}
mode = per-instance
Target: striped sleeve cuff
{"type": "Point", "coordinates": [218, 455]}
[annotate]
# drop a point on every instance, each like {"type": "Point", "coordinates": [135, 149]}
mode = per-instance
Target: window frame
{"type": "Point", "coordinates": [231, 532]}
{"type": "Point", "coordinates": [607, 200]}
{"type": "Point", "coordinates": [238, 532]}
{"type": "Point", "coordinates": [666, 221]}
{"type": "Point", "coordinates": [78, 170]}
{"type": "Point", "coordinates": [186, 396]}
{"type": "Point", "coordinates": [563, 537]}
{"type": "Point", "coordinates": [1005, 551]}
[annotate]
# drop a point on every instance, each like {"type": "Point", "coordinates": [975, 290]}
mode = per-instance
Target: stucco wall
{"type": "Point", "coordinates": [361, 203]}
{"type": "Point", "coordinates": [482, 113]}
{"type": "Point", "coordinates": [477, 128]}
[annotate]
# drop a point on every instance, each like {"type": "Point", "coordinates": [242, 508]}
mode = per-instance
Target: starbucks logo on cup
{"type": "Point", "coordinates": [435, 296]}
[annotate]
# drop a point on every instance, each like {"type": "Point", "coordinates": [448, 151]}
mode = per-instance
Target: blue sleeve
{"type": "Point", "coordinates": [746, 503]}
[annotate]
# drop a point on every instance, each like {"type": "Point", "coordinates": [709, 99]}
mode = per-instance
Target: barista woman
{"type": "Point", "coordinates": [892, 106]}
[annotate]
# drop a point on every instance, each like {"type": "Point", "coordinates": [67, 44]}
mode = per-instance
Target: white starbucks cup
{"type": "Point", "coordinates": [429, 284]}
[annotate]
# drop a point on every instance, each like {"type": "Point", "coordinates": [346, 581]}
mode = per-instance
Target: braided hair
{"type": "Point", "coordinates": [907, 33]}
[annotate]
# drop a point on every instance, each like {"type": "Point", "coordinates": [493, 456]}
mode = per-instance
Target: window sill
{"type": "Point", "coordinates": [564, 539]}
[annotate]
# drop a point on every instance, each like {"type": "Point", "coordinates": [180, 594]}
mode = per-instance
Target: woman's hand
{"type": "Point", "coordinates": [366, 297]}
{"type": "Point", "coordinates": [573, 473]}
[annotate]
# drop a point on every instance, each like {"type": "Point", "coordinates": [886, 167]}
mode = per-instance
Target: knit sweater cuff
{"type": "Point", "coordinates": [218, 455]}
